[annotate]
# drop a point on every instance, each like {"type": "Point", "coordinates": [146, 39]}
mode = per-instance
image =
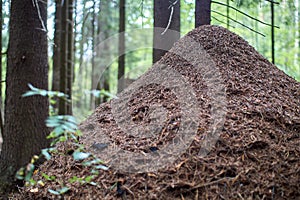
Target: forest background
{"type": "Point", "coordinates": [95, 21]}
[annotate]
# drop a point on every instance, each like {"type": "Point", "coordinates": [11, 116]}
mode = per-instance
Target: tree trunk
{"type": "Point", "coordinates": [94, 72]}
{"type": "Point", "coordinates": [297, 34]}
{"type": "Point", "coordinates": [1, 118]}
{"type": "Point", "coordinates": [103, 28]}
{"type": "Point", "coordinates": [70, 63]}
{"type": "Point", "coordinates": [63, 56]}
{"type": "Point", "coordinates": [56, 51]}
{"type": "Point", "coordinates": [165, 12]}
{"type": "Point", "coordinates": [121, 60]}
{"type": "Point", "coordinates": [80, 73]}
{"type": "Point", "coordinates": [272, 33]}
{"type": "Point", "coordinates": [227, 14]}
{"type": "Point", "coordinates": [25, 130]}
{"type": "Point", "coordinates": [202, 12]}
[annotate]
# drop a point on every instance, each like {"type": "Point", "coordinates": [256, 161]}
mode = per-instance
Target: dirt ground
{"type": "Point", "coordinates": [231, 92]}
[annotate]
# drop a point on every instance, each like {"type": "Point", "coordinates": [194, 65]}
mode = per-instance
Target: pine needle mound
{"type": "Point", "coordinates": [257, 155]}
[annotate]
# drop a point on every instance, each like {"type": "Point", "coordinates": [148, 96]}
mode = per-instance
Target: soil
{"type": "Point", "coordinates": [247, 134]}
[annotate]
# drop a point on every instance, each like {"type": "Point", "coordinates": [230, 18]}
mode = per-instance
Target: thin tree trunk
{"type": "Point", "coordinates": [70, 56]}
{"type": "Point", "coordinates": [27, 62]}
{"type": "Point", "coordinates": [98, 52]}
{"type": "Point", "coordinates": [272, 33]}
{"type": "Point", "coordinates": [121, 60]}
{"type": "Point", "coordinates": [227, 13]}
{"type": "Point", "coordinates": [63, 57]}
{"type": "Point", "coordinates": [74, 37]}
{"type": "Point", "coordinates": [93, 75]}
{"type": "Point", "coordinates": [202, 12]}
{"type": "Point", "coordinates": [81, 48]}
{"type": "Point", "coordinates": [103, 54]}
{"type": "Point", "coordinates": [166, 16]}
{"type": "Point", "coordinates": [56, 51]}
{"type": "Point", "coordinates": [297, 34]}
{"type": "Point", "coordinates": [1, 107]}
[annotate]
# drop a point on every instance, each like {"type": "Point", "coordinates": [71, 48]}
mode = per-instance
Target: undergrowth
{"type": "Point", "coordinates": [64, 129]}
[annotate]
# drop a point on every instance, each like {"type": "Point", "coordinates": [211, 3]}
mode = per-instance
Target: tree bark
{"type": "Point", "coordinates": [121, 60]}
{"type": "Point", "coordinates": [272, 33]}
{"type": "Point", "coordinates": [56, 50]}
{"type": "Point", "coordinates": [94, 71]}
{"type": "Point", "coordinates": [162, 17]}
{"type": "Point", "coordinates": [202, 12]}
{"type": "Point", "coordinates": [25, 130]}
{"type": "Point", "coordinates": [1, 118]}
{"type": "Point", "coordinates": [70, 58]}
{"type": "Point", "coordinates": [63, 57]}
{"type": "Point", "coordinates": [104, 27]}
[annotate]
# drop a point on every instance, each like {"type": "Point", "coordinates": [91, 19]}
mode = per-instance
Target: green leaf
{"type": "Point", "coordinates": [95, 172]}
{"type": "Point", "coordinates": [20, 174]}
{"type": "Point", "coordinates": [31, 87]}
{"type": "Point", "coordinates": [58, 131]}
{"type": "Point", "coordinates": [77, 155]}
{"type": "Point", "coordinates": [93, 183]}
{"type": "Point", "coordinates": [53, 192]}
{"type": "Point", "coordinates": [60, 191]}
{"type": "Point", "coordinates": [43, 93]}
{"type": "Point", "coordinates": [87, 163]}
{"type": "Point", "coordinates": [29, 171]}
{"type": "Point", "coordinates": [89, 179]}
{"type": "Point", "coordinates": [29, 93]}
{"type": "Point", "coordinates": [74, 179]}
{"type": "Point", "coordinates": [108, 94]}
{"type": "Point", "coordinates": [46, 154]}
{"type": "Point", "coordinates": [64, 190]}
{"type": "Point", "coordinates": [32, 182]}
{"type": "Point", "coordinates": [102, 167]}
{"type": "Point", "coordinates": [48, 178]}
{"type": "Point", "coordinates": [97, 161]}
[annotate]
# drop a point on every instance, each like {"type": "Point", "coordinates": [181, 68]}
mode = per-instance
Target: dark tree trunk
{"type": "Point", "coordinates": [70, 59]}
{"type": "Point", "coordinates": [104, 25]}
{"type": "Point", "coordinates": [121, 60]}
{"type": "Point", "coordinates": [25, 130]}
{"type": "Point", "coordinates": [63, 56]}
{"type": "Point", "coordinates": [1, 118]}
{"type": "Point", "coordinates": [227, 14]}
{"type": "Point", "coordinates": [202, 12]}
{"type": "Point", "coordinates": [94, 71]}
{"type": "Point", "coordinates": [272, 33]}
{"type": "Point", "coordinates": [56, 50]}
{"type": "Point", "coordinates": [162, 13]}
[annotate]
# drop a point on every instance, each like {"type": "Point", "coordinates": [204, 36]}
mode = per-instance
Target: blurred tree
{"type": "Point", "coordinates": [27, 62]}
{"type": "Point", "coordinates": [56, 50]}
{"type": "Point", "coordinates": [121, 59]}
{"type": "Point", "coordinates": [70, 57]}
{"type": "Point", "coordinates": [102, 55]}
{"type": "Point", "coordinates": [1, 69]}
{"type": "Point", "coordinates": [202, 12]}
{"type": "Point", "coordinates": [62, 109]}
{"type": "Point", "coordinates": [167, 16]}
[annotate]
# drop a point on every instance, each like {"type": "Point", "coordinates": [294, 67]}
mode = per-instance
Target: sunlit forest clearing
{"type": "Point", "coordinates": [146, 99]}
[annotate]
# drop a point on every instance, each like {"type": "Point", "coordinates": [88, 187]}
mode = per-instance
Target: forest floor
{"type": "Point", "coordinates": [255, 112]}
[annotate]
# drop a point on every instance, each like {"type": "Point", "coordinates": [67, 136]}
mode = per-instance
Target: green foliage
{"type": "Point", "coordinates": [51, 94]}
{"type": "Point", "coordinates": [64, 128]}
{"type": "Point", "coordinates": [78, 155]}
{"type": "Point", "coordinates": [99, 93]}
{"type": "Point", "coordinates": [83, 180]}
{"type": "Point", "coordinates": [36, 91]}
{"type": "Point", "coordinates": [60, 191]}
